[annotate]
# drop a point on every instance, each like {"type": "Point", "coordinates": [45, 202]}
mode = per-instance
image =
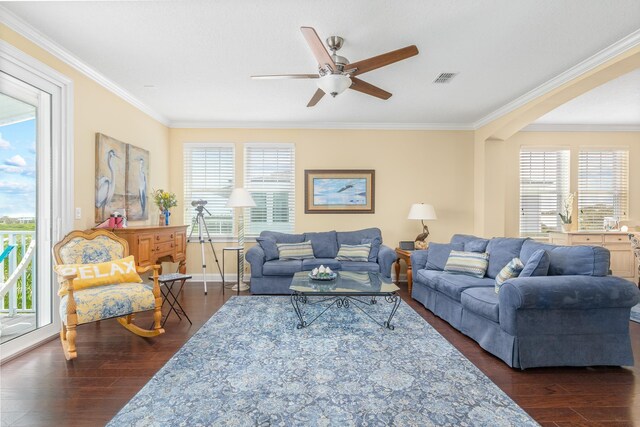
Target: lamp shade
{"type": "Point", "coordinates": [240, 198]}
{"type": "Point", "coordinates": [422, 211]}
{"type": "Point", "coordinates": [334, 84]}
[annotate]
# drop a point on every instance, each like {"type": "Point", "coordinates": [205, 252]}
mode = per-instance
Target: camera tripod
{"type": "Point", "coordinates": [202, 225]}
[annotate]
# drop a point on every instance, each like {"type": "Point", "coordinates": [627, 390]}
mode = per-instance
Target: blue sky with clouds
{"type": "Point", "coordinates": [17, 169]}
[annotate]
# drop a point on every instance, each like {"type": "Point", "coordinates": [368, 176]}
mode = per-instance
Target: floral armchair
{"type": "Point", "coordinates": [90, 304]}
{"type": "Point", "coordinates": [635, 244]}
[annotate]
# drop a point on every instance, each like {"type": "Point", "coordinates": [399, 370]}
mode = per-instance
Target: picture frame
{"type": "Point", "coordinates": [330, 191]}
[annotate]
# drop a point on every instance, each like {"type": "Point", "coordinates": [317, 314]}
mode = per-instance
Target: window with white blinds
{"type": "Point", "coordinates": [209, 174]}
{"type": "Point", "coordinates": [544, 183]}
{"type": "Point", "coordinates": [603, 187]}
{"type": "Point", "coordinates": [269, 175]}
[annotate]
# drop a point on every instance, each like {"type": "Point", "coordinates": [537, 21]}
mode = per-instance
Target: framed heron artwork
{"type": "Point", "coordinates": [111, 157]}
{"type": "Point", "coordinates": [339, 191]}
{"type": "Point", "coordinates": [137, 185]}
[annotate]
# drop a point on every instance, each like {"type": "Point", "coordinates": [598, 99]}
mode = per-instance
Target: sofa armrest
{"type": "Point", "coordinates": [255, 257]}
{"type": "Point", "coordinates": [419, 259]}
{"type": "Point", "coordinates": [386, 258]}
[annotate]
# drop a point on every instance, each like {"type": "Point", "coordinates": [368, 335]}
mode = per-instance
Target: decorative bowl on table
{"type": "Point", "coordinates": [322, 273]}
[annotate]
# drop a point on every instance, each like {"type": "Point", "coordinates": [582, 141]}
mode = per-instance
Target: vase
{"type": "Point", "coordinates": [161, 218]}
{"type": "Point", "coordinates": [166, 216]}
{"type": "Point", "coordinates": [566, 227]}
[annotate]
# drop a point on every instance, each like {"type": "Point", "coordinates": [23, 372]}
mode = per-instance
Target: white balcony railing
{"type": "Point", "coordinates": [21, 298]}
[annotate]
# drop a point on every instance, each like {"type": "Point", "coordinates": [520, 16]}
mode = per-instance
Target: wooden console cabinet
{"type": "Point", "coordinates": [154, 244]}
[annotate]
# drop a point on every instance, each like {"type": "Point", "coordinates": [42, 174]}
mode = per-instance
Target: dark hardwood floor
{"type": "Point", "coordinates": [41, 388]}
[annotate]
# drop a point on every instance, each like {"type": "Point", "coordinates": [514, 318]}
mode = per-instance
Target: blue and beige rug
{"type": "Point", "coordinates": [635, 313]}
{"type": "Point", "coordinates": [250, 366]}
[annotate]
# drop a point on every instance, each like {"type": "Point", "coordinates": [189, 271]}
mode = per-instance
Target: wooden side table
{"type": "Point", "coordinates": [404, 255]}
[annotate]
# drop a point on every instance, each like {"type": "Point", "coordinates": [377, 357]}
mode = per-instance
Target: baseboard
{"type": "Point", "coordinates": [231, 278]}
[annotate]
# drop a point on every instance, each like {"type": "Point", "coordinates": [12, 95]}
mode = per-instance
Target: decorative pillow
{"type": "Point", "coordinates": [357, 253]}
{"type": "Point", "coordinates": [476, 245]}
{"type": "Point", "coordinates": [537, 265]}
{"type": "Point", "coordinates": [92, 275]}
{"type": "Point", "coordinates": [269, 247]}
{"type": "Point", "coordinates": [509, 271]}
{"type": "Point", "coordinates": [375, 248]}
{"type": "Point", "coordinates": [469, 263]}
{"type": "Point", "coordinates": [290, 251]}
{"type": "Point", "coordinates": [439, 254]}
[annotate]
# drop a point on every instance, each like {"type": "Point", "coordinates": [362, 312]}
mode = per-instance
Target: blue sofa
{"type": "Point", "coordinates": [568, 313]}
{"type": "Point", "coordinates": [270, 275]}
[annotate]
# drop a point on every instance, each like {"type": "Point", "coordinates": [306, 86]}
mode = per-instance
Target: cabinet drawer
{"type": "Point", "coordinates": [588, 239]}
{"type": "Point", "coordinates": [163, 237]}
{"type": "Point", "coordinates": [617, 238]}
{"type": "Point", "coordinates": [163, 248]}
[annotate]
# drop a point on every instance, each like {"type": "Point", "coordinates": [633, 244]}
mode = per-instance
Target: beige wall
{"type": "Point", "coordinates": [503, 171]}
{"type": "Point", "coordinates": [99, 110]}
{"type": "Point", "coordinates": [411, 167]}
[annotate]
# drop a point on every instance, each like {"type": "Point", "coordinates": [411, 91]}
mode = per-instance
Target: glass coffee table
{"type": "Point", "coordinates": [350, 288]}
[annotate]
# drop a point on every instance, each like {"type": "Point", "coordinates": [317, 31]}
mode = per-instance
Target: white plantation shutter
{"type": "Point", "coordinates": [544, 183]}
{"type": "Point", "coordinates": [269, 175]}
{"type": "Point", "coordinates": [603, 187]}
{"type": "Point", "coordinates": [209, 174]}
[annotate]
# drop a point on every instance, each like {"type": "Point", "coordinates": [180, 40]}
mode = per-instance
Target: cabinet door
{"type": "Point", "coordinates": [622, 260]}
{"type": "Point", "coordinates": [181, 245]}
{"type": "Point", "coordinates": [144, 253]}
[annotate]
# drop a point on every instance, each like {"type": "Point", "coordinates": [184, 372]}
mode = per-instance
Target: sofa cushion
{"type": "Point", "coordinates": [325, 244]}
{"type": "Point", "coordinates": [481, 301]}
{"type": "Point", "coordinates": [537, 265]}
{"type": "Point", "coordinates": [501, 251]}
{"type": "Point", "coordinates": [453, 285]}
{"type": "Point", "coordinates": [376, 242]}
{"type": "Point", "coordinates": [360, 266]}
{"type": "Point", "coordinates": [461, 239]}
{"type": "Point", "coordinates": [427, 277]}
{"type": "Point", "coordinates": [470, 263]}
{"type": "Point", "coordinates": [476, 245]}
{"type": "Point", "coordinates": [269, 247]}
{"type": "Point", "coordinates": [356, 253]}
{"type": "Point", "coordinates": [355, 237]}
{"type": "Point", "coordinates": [439, 254]}
{"type": "Point", "coordinates": [310, 264]}
{"type": "Point", "coordinates": [281, 268]}
{"type": "Point", "coordinates": [510, 271]}
{"type": "Point", "coordinates": [572, 260]}
{"type": "Point", "coordinates": [283, 237]}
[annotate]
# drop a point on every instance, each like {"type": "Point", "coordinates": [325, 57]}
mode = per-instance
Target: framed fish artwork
{"type": "Point", "coordinates": [339, 191]}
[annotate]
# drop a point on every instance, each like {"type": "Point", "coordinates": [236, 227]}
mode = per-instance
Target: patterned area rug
{"type": "Point", "coordinates": [635, 313]}
{"type": "Point", "coordinates": [250, 366]}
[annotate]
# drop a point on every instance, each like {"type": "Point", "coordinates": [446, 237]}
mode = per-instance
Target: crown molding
{"type": "Point", "coordinates": [565, 127]}
{"type": "Point", "coordinates": [606, 54]}
{"type": "Point", "coordinates": [320, 125]}
{"type": "Point", "coordinates": [30, 33]}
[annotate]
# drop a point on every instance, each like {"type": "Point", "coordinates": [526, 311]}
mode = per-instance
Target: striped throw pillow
{"type": "Point", "coordinates": [509, 271]}
{"type": "Point", "coordinates": [470, 263]}
{"type": "Point", "coordinates": [358, 253]}
{"type": "Point", "coordinates": [289, 251]}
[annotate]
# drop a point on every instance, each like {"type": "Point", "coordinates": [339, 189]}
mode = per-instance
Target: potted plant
{"type": "Point", "coordinates": [165, 201]}
{"type": "Point", "coordinates": [566, 211]}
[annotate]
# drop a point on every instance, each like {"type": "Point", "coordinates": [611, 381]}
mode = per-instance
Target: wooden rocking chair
{"type": "Point", "coordinates": [119, 301]}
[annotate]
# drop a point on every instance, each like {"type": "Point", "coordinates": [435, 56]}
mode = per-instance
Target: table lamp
{"type": "Point", "coordinates": [422, 211]}
{"type": "Point", "coordinates": [240, 198]}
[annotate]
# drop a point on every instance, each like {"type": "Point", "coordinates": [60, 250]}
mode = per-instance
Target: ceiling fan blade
{"type": "Point", "coordinates": [368, 88]}
{"type": "Point", "coordinates": [370, 64]}
{"type": "Point", "coordinates": [286, 76]}
{"type": "Point", "coordinates": [317, 48]}
{"type": "Point", "coordinates": [315, 98]}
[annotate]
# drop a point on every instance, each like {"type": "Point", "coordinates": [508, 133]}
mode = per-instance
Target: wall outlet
{"type": "Point", "coordinates": [78, 213]}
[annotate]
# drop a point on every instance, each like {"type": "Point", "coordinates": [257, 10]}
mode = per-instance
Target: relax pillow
{"type": "Point", "coordinates": [438, 254]}
{"type": "Point", "coordinates": [470, 263]}
{"type": "Point", "coordinates": [289, 251]}
{"type": "Point", "coordinates": [509, 271]}
{"type": "Point", "coordinates": [357, 253]}
{"type": "Point", "coordinates": [537, 265]}
{"type": "Point", "coordinates": [375, 248]}
{"type": "Point", "coordinates": [92, 275]}
{"type": "Point", "coordinates": [269, 247]}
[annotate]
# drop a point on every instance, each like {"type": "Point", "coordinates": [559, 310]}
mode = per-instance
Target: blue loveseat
{"type": "Point", "coordinates": [270, 275]}
{"type": "Point", "coordinates": [569, 312]}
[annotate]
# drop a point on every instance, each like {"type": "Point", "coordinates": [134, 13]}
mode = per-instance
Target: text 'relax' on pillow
{"type": "Point", "coordinates": [470, 263]}
{"type": "Point", "coordinates": [509, 271]}
{"type": "Point", "coordinates": [92, 275]}
{"type": "Point", "coordinates": [295, 251]}
{"type": "Point", "coordinates": [356, 253]}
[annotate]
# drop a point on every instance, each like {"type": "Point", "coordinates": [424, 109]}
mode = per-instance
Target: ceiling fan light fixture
{"type": "Point", "coordinates": [334, 84]}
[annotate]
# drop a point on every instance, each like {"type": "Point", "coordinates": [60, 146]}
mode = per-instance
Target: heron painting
{"type": "Point", "coordinates": [111, 157]}
{"type": "Point", "coordinates": [137, 183]}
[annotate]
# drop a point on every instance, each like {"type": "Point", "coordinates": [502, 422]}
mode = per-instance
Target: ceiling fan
{"type": "Point", "coordinates": [336, 74]}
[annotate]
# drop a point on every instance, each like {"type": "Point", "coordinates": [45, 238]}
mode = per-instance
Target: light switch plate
{"type": "Point", "coordinates": [78, 213]}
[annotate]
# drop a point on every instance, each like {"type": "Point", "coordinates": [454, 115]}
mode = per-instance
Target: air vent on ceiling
{"type": "Point", "coordinates": [445, 77]}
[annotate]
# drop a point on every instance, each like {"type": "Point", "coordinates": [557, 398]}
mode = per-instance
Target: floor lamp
{"type": "Point", "coordinates": [240, 199]}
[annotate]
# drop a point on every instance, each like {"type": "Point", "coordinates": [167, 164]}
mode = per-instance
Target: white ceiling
{"type": "Point", "coordinates": [199, 54]}
{"type": "Point", "coordinates": [614, 103]}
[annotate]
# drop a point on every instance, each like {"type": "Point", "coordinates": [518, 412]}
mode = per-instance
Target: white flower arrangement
{"type": "Point", "coordinates": [567, 209]}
